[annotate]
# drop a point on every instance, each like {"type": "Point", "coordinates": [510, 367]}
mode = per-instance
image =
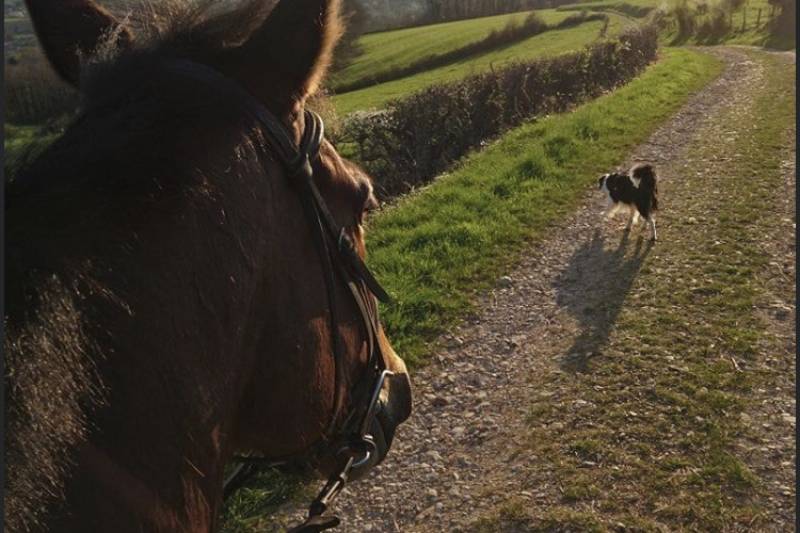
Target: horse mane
{"type": "Point", "coordinates": [187, 26]}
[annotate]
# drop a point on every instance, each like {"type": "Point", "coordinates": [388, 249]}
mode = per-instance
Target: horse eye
{"type": "Point", "coordinates": [370, 205]}
{"type": "Point", "coordinates": [367, 206]}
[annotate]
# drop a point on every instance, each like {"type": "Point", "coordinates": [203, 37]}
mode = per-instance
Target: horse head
{"type": "Point", "coordinates": [175, 297]}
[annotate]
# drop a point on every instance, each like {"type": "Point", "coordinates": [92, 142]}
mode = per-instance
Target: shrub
{"type": "Point", "coordinates": [419, 136]}
{"type": "Point", "coordinates": [733, 5]}
{"type": "Point", "coordinates": [580, 18]}
{"type": "Point", "coordinates": [685, 19]}
{"type": "Point", "coordinates": [782, 24]}
{"type": "Point", "coordinates": [715, 27]}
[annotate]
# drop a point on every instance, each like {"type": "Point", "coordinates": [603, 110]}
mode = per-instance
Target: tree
{"type": "Point", "coordinates": [783, 24]}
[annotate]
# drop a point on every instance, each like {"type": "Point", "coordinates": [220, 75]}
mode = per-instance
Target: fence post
{"type": "Point", "coordinates": [758, 18]}
{"type": "Point", "coordinates": [744, 18]}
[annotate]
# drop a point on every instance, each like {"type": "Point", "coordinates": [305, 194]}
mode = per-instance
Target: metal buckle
{"type": "Point", "coordinates": [364, 447]}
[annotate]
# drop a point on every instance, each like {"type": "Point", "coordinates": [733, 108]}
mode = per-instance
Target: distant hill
{"type": "Point", "coordinates": [383, 15]}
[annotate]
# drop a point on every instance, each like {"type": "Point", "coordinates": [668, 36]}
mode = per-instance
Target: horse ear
{"type": "Point", "coordinates": [67, 28]}
{"type": "Point", "coordinates": [290, 52]}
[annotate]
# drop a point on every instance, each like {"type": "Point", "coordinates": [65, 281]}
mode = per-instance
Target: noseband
{"type": "Point", "coordinates": [350, 440]}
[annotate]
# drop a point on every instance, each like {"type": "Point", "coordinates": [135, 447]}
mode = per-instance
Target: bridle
{"type": "Point", "coordinates": [350, 440]}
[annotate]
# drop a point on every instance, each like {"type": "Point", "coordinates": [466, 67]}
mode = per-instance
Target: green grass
{"type": "Point", "coordinates": [631, 8]}
{"type": "Point", "coordinates": [22, 144]}
{"type": "Point", "coordinates": [436, 249]}
{"type": "Point", "coordinates": [662, 422]}
{"type": "Point", "coordinates": [249, 508]}
{"type": "Point", "coordinates": [16, 138]}
{"type": "Point", "coordinates": [550, 43]}
{"type": "Point", "coordinates": [389, 50]}
{"type": "Point", "coordinates": [515, 516]}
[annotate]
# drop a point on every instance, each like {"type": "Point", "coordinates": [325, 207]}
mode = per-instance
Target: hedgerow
{"type": "Point", "coordinates": [419, 136]}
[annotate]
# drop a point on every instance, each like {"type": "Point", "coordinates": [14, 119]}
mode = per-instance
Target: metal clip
{"type": "Point", "coordinates": [365, 448]}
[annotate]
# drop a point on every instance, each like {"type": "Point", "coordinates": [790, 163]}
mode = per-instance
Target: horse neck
{"type": "Point", "coordinates": [164, 316]}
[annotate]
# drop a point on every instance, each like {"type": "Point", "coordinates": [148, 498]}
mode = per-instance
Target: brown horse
{"type": "Point", "coordinates": [166, 306]}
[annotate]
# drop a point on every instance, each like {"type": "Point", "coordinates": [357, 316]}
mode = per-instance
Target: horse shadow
{"type": "Point", "coordinates": [593, 287]}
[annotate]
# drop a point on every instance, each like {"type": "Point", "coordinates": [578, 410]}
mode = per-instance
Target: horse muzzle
{"type": "Point", "coordinates": [393, 408]}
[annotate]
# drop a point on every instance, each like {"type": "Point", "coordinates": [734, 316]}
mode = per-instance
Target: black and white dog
{"type": "Point", "coordinates": [636, 192]}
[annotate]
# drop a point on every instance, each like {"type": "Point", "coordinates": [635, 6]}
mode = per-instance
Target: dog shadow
{"type": "Point", "coordinates": [593, 288]}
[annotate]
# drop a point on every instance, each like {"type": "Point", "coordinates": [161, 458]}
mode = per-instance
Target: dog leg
{"type": "Point", "coordinates": [653, 226]}
{"type": "Point", "coordinates": [634, 216]}
{"type": "Point", "coordinates": [610, 213]}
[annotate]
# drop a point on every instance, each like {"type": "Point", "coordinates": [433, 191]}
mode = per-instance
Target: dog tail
{"type": "Point", "coordinates": [648, 182]}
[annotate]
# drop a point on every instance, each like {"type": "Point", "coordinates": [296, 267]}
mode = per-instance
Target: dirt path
{"type": "Point", "coordinates": [466, 451]}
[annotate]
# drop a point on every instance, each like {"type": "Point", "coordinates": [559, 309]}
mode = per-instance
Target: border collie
{"type": "Point", "coordinates": [636, 192]}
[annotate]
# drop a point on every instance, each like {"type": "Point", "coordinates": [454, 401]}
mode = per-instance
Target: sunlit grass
{"type": "Point", "coordinates": [389, 50]}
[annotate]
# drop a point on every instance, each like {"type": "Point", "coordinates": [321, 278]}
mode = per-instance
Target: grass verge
{"type": "Point", "coordinates": [655, 443]}
{"type": "Point", "coordinates": [436, 249]}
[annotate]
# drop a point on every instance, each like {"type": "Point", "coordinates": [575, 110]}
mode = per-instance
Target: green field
{"type": "Point", "coordinates": [546, 44]}
{"type": "Point", "coordinates": [631, 8]}
{"type": "Point", "coordinates": [389, 50]}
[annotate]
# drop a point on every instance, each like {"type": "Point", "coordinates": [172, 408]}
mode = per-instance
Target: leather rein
{"type": "Point", "coordinates": [350, 440]}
